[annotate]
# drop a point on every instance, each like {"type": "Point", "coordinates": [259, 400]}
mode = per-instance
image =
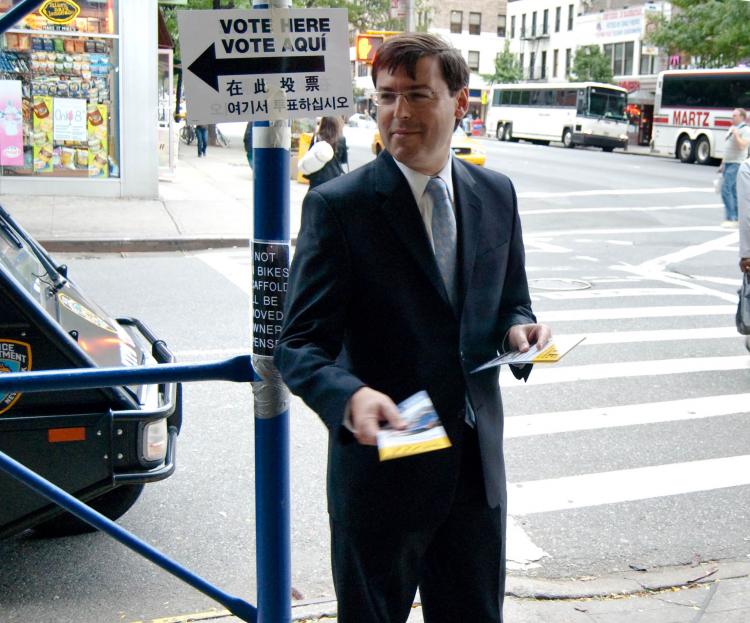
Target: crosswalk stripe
{"type": "Point", "coordinates": [615, 192]}
{"type": "Point", "coordinates": [561, 295]}
{"type": "Point", "coordinates": [640, 483]}
{"type": "Point", "coordinates": [625, 415]}
{"type": "Point", "coordinates": [568, 210]}
{"type": "Point", "coordinates": [543, 375]}
{"type": "Point", "coordinates": [659, 335]}
{"type": "Point", "coordinates": [617, 313]}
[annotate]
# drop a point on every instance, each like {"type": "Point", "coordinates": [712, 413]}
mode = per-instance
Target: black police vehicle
{"type": "Point", "coordinates": [100, 445]}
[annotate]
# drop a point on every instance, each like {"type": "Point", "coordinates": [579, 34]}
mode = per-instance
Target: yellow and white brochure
{"type": "Point", "coordinates": [552, 352]}
{"type": "Point", "coordinates": [423, 432]}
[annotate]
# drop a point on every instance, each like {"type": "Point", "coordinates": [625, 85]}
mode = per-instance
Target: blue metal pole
{"type": "Point", "coordinates": [235, 605]}
{"type": "Point", "coordinates": [238, 369]}
{"type": "Point", "coordinates": [17, 13]}
{"type": "Point", "coordinates": [271, 253]}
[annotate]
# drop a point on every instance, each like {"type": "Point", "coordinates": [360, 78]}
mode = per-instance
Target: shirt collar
{"type": "Point", "coordinates": [418, 181]}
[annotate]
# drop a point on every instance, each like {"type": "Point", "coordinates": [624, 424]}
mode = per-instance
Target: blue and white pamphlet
{"type": "Point", "coordinates": [423, 432]}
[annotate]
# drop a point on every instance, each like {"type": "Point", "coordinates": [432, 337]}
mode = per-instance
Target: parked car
{"type": "Point", "coordinates": [464, 147]}
{"type": "Point", "coordinates": [100, 445]}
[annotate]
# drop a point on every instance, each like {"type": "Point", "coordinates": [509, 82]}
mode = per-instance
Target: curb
{"type": "Point", "coordinates": [143, 245]}
{"type": "Point", "coordinates": [628, 584]}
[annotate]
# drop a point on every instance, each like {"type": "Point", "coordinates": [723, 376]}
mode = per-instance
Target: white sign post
{"type": "Point", "coordinates": [265, 64]}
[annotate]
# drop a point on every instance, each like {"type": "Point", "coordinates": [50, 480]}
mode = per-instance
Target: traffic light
{"type": "Point", "coordinates": [367, 46]}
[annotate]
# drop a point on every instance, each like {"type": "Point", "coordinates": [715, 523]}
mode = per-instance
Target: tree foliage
{"type": "Point", "coordinates": [507, 68]}
{"type": "Point", "coordinates": [590, 63]}
{"type": "Point", "coordinates": [712, 32]}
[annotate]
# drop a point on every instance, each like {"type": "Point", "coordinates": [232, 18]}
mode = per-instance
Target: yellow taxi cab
{"type": "Point", "coordinates": [463, 146]}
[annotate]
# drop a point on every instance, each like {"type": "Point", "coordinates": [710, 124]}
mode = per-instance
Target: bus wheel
{"type": "Point", "coordinates": [608, 149]}
{"type": "Point", "coordinates": [685, 151]}
{"type": "Point", "coordinates": [703, 151]}
{"type": "Point", "coordinates": [507, 132]}
{"type": "Point", "coordinates": [567, 138]}
{"type": "Point", "coordinates": [500, 132]}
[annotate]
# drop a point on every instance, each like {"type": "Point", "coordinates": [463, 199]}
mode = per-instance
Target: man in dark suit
{"type": "Point", "coordinates": [373, 315]}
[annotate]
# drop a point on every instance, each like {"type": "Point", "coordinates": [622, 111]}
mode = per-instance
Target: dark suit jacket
{"type": "Point", "coordinates": [366, 306]}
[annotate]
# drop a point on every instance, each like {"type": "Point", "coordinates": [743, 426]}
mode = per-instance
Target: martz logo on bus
{"type": "Point", "coordinates": [692, 118]}
{"type": "Point", "coordinates": [15, 356]}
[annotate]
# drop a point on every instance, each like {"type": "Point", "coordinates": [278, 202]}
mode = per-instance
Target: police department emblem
{"type": "Point", "coordinates": [15, 356]}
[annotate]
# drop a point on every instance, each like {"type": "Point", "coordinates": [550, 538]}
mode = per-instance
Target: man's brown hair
{"type": "Point", "coordinates": [405, 50]}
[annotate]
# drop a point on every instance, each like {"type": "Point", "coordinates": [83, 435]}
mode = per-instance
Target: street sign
{"type": "Point", "coordinates": [264, 65]}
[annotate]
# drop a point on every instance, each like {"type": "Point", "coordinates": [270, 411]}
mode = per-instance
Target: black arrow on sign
{"type": "Point", "coordinates": [208, 68]}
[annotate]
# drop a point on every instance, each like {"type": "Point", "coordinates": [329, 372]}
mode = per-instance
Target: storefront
{"type": "Point", "coordinates": [76, 104]}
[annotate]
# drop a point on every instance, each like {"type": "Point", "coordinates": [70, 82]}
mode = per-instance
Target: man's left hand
{"type": "Point", "coordinates": [521, 336]}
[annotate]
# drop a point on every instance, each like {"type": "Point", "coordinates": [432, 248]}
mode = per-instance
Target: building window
{"type": "Point", "coordinates": [555, 55]}
{"type": "Point", "coordinates": [558, 11]}
{"type": "Point", "coordinates": [457, 21]}
{"type": "Point", "coordinates": [60, 95]}
{"type": "Point", "coordinates": [533, 24]}
{"type": "Point", "coordinates": [512, 26]}
{"type": "Point", "coordinates": [543, 69]}
{"type": "Point", "coordinates": [568, 54]}
{"type": "Point", "coordinates": [475, 23]}
{"type": "Point", "coordinates": [620, 57]}
{"type": "Point", "coordinates": [473, 61]}
{"type": "Point", "coordinates": [363, 70]}
{"type": "Point", "coordinates": [520, 62]}
{"type": "Point", "coordinates": [571, 9]}
{"type": "Point", "coordinates": [649, 61]}
{"type": "Point", "coordinates": [523, 26]}
{"type": "Point", "coordinates": [501, 25]}
{"type": "Point", "coordinates": [545, 22]}
{"type": "Point", "coordinates": [532, 61]}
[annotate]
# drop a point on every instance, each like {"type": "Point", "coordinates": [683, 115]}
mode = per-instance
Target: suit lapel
{"type": "Point", "coordinates": [469, 209]}
{"type": "Point", "coordinates": [403, 214]}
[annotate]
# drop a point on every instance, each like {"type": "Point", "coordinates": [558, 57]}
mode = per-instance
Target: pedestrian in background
{"type": "Point", "coordinates": [409, 272]}
{"type": "Point", "coordinates": [330, 130]}
{"type": "Point", "coordinates": [201, 133]}
{"type": "Point", "coordinates": [248, 142]}
{"type": "Point", "coordinates": [735, 151]}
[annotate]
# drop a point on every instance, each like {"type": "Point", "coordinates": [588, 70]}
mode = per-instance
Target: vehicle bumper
{"type": "Point", "coordinates": [592, 140]}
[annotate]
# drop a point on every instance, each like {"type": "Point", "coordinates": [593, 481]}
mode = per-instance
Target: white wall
{"type": "Point", "coordinates": [139, 159]}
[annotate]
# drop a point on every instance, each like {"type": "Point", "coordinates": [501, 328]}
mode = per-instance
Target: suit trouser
{"type": "Point", "coordinates": [458, 565]}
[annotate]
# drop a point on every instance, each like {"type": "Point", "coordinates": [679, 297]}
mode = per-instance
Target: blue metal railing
{"type": "Point", "coordinates": [238, 369]}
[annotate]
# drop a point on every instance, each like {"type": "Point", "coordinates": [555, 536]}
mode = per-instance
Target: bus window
{"type": "Point", "coordinates": [550, 97]}
{"type": "Point", "coordinates": [608, 104]}
{"type": "Point", "coordinates": [515, 97]}
{"type": "Point", "coordinates": [581, 102]}
{"type": "Point", "coordinates": [524, 98]}
{"type": "Point", "coordinates": [567, 98]}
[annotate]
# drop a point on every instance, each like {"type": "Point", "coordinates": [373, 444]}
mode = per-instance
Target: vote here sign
{"type": "Point", "coordinates": [265, 64]}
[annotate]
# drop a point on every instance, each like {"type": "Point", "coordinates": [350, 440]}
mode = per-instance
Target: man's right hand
{"type": "Point", "coordinates": [368, 408]}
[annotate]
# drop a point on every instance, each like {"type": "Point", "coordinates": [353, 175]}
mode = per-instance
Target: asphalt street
{"type": "Point", "coordinates": [630, 454]}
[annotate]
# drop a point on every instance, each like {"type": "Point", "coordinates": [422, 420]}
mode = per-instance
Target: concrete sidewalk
{"type": "Point", "coordinates": [207, 204]}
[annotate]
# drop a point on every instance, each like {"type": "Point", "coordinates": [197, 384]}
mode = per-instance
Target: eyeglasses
{"type": "Point", "coordinates": [416, 98]}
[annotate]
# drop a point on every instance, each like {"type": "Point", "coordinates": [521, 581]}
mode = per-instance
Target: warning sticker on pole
{"type": "Point", "coordinates": [270, 276]}
{"type": "Point", "coordinates": [265, 64]}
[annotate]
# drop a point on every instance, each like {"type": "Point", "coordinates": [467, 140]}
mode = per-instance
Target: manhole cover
{"type": "Point", "coordinates": [555, 283]}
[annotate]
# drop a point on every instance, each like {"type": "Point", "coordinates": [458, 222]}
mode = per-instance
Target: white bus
{"type": "Point", "coordinates": [576, 113]}
{"type": "Point", "coordinates": [693, 111]}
